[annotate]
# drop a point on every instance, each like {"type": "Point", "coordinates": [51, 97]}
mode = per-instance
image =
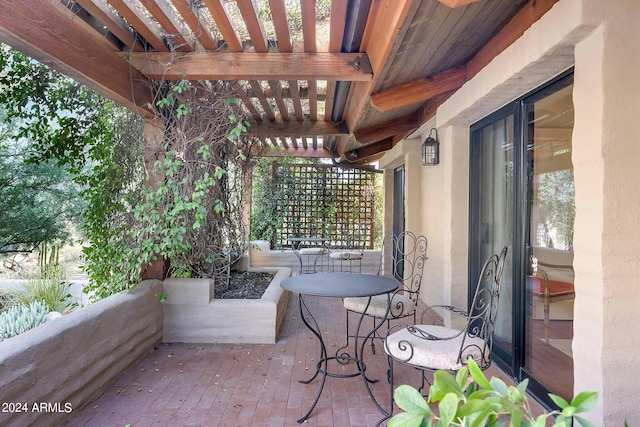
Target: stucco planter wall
{"type": "Point", "coordinates": [193, 315]}
{"type": "Point", "coordinates": [69, 361]}
{"type": "Point", "coordinates": [262, 255]}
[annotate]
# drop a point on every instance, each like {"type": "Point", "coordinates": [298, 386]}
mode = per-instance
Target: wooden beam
{"type": "Point", "coordinates": [45, 32]}
{"type": "Point", "coordinates": [419, 90]}
{"type": "Point", "coordinates": [318, 153]}
{"type": "Point", "coordinates": [388, 129]}
{"type": "Point", "coordinates": [456, 3]}
{"type": "Point", "coordinates": [383, 26]}
{"type": "Point", "coordinates": [525, 18]}
{"type": "Point", "coordinates": [250, 66]}
{"type": "Point", "coordinates": [365, 153]}
{"type": "Point", "coordinates": [304, 128]}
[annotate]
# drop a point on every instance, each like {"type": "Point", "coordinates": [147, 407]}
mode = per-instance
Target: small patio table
{"type": "Point", "coordinates": [339, 285]}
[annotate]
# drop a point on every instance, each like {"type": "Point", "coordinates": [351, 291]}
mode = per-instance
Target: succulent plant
{"type": "Point", "coordinates": [20, 318]}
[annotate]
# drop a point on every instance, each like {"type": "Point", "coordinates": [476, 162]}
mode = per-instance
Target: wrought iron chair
{"type": "Point", "coordinates": [347, 258]}
{"type": "Point", "coordinates": [431, 347]}
{"type": "Point", "coordinates": [402, 256]}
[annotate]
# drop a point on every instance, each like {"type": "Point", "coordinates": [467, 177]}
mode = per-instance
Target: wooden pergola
{"type": "Point", "coordinates": [346, 86]}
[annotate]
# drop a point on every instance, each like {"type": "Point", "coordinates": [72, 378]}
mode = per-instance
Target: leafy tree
{"type": "Point", "coordinates": [72, 132]}
{"type": "Point", "coordinates": [37, 199]}
{"type": "Point", "coordinates": [194, 213]}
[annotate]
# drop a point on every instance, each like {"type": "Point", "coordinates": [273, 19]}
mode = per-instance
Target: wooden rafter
{"type": "Point", "coordinates": [193, 21]}
{"type": "Point", "coordinates": [366, 153]}
{"type": "Point", "coordinates": [336, 27]}
{"type": "Point", "coordinates": [276, 87]}
{"type": "Point", "coordinates": [279, 14]}
{"type": "Point", "coordinates": [254, 25]}
{"type": "Point", "coordinates": [240, 93]}
{"type": "Point", "coordinates": [264, 102]}
{"type": "Point", "coordinates": [387, 129]}
{"type": "Point", "coordinates": [149, 30]}
{"type": "Point", "coordinates": [244, 66]}
{"type": "Point", "coordinates": [436, 91]}
{"type": "Point", "coordinates": [290, 80]}
{"type": "Point", "coordinates": [419, 90]}
{"type": "Point", "coordinates": [294, 92]}
{"type": "Point", "coordinates": [308, 12]}
{"type": "Point", "coordinates": [290, 92]}
{"type": "Point", "coordinates": [220, 16]}
{"type": "Point", "coordinates": [385, 21]}
{"type": "Point", "coordinates": [511, 32]}
{"type": "Point", "coordinates": [457, 3]}
{"type": "Point", "coordinates": [336, 30]}
{"type": "Point", "coordinates": [313, 99]}
{"type": "Point", "coordinates": [113, 22]}
{"type": "Point", "coordinates": [168, 19]}
{"type": "Point", "coordinates": [310, 152]}
{"type": "Point", "coordinates": [304, 128]}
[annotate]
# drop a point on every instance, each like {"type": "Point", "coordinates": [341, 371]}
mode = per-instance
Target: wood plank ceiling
{"type": "Point", "coordinates": [343, 79]}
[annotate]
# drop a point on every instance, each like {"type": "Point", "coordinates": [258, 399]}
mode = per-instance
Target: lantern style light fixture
{"type": "Point", "coordinates": [431, 150]}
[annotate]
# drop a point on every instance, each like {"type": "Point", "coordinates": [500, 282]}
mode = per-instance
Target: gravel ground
{"type": "Point", "coordinates": [243, 285]}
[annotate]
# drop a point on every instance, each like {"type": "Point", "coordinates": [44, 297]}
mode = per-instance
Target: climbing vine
{"type": "Point", "coordinates": [189, 207]}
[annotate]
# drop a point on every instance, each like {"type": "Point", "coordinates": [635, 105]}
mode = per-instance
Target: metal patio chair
{"type": "Point", "coordinates": [431, 347]}
{"type": "Point", "coordinates": [403, 257]}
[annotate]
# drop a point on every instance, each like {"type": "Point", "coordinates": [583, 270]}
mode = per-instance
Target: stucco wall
{"type": "Point", "coordinates": [192, 315]}
{"type": "Point", "coordinates": [607, 260]}
{"type": "Point", "coordinates": [79, 354]}
{"type": "Point", "coordinates": [261, 255]}
{"type": "Point", "coordinates": [600, 38]}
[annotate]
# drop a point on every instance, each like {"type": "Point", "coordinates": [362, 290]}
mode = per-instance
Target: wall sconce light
{"type": "Point", "coordinates": [431, 150]}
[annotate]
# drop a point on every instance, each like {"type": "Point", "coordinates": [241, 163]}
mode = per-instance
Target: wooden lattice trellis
{"type": "Point", "coordinates": [329, 202]}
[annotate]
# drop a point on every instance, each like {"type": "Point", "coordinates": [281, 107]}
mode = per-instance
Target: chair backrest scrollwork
{"type": "Point", "coordinates": [403, 256]}
{"type": "Point", "coordinates": [483, 311]}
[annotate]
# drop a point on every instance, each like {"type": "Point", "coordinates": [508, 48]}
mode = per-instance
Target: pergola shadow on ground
{"type": "Point", "coordinates": [248, 385]}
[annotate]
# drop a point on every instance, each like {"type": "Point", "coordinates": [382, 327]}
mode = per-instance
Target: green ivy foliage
{"type": "Point", "coordinates": [187, 207]}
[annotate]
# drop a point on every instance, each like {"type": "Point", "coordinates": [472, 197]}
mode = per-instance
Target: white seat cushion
{"type": "Point", "coordinates": [346, 255]}
{"type": "Point", "coordinates": [313, 251]}
{"type": "Point", "coordinates": [433, 354]}
{"type": "Point", "coordinates": [401, 305]}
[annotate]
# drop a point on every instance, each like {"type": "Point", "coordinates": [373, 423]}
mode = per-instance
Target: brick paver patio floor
{"type": "Point", "coordinates": [247, 385]}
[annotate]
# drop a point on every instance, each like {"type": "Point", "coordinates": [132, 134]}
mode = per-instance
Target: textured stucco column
{"type": "Point", "coordinates": [456, 213]}
{"type": "Point", "coordinates": [607, 237]}
{"type": "Point", "coordinates": [407, 153]}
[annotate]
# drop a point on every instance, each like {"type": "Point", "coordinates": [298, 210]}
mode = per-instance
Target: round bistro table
{"type": "Point", "coordinates": [339, 285]}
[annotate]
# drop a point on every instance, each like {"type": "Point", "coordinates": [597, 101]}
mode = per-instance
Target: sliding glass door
{"type": "Point", "coordinates": [492, 211]}
{"type": "Point", "coordinates": [522, 196]}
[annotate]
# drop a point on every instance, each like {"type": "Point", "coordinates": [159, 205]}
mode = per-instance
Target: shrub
{"type": "Point", "coordinates": [49, 287]}
{"type": "Point", "coordinates": [470, 399]}
{"type": "Point", "coordinates": [20, 318]}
